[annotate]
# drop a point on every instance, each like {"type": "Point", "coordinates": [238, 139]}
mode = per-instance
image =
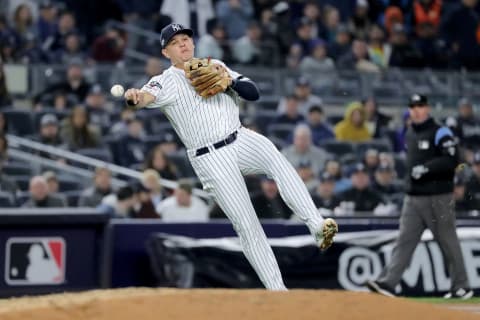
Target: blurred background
{"type": "Point", "coordinates": [79, 171]}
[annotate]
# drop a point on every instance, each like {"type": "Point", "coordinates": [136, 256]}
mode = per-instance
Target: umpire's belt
{"type": "Point", "coordinates": [217, 145]}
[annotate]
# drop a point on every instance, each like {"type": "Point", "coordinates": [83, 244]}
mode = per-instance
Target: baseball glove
{"type": "Point", "coordinates": [206, 77]}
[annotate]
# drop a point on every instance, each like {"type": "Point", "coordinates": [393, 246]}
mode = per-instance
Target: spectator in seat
{"type": "Point", "coordinates": [22, 24]}
{"type": "Point", "coordinates": [49, 130]}
{"type": "Point", "coordinates": [334, 168]}
{"type": "Point", "coordinates": [357, 58]}
{"type": "Point", "coordinates": [311, 10]}
{"type": "Point", "coordinates": [234, 15]}
{"type": "Point", "coordinates": [466, 126]}
{"type": "Point", "coordinates": [98, 108]}
{"type": "Point", "coordinates": [6, 183]}
{"type": "Point", "coordinates": [3, 124]}
{"type": "Point", "coordinates": [109, 47]}
{"type": "Point", "coordinates": [393, 16]}
{"type": "Point", "coordinates": [253, 48]}
{"type": "Point", "coordinates": [145, 208]}
{"type": "Point", "coordinates": [324, 196]}
{"type": "Point", "coordinates": [353, 127]}
{"type": "Point", "coordinates": [102, 186]}
{"type": "Point", "coordinates": [317, 62]}
{"type": "Point", "coordinates": [120, 204]}
{"type": "Point", "coordinates": [158, 161]}
{"type": "Point", "coordinates": [77, 131]}
{"type": "Point", "coordinates": [376, 121]}
{"type": "Point", "coordinates": [132, 146]}
{"type": "Point", "coordinates": [331, 22]}
{"type": "Point", "coordinates": [151, 181]}
{"type": "Point", "coordinates": [46, 25]}
{"type": "Point", "coordinates": [150, 194]}
{"type": "Point", "coordinates": [341, 44]}
{"type": "Point", "coordinates": [214, 44]}
{"type": "Point", "coordinates": [183, 206]}
{"type": "Point", "coordinates": [72, 49]}
{"type": "Point", "coordinates": [399, 134]}
{"type": "Point", "coordinates": [153, 67]}
{"type": "Point", "coordinates": [378, 49]}
{"type": "Point", "coordinates": [304, 170]}
{"type": "Point", "coordinates": [54, 185]}
{"type": "Point", "coordinates": [291, 114]}
{"type": "Point", "coordinates": [5, 99]}
{"type": "Point", "coordinates": [404, 54]}
{"type": "Point", "coordinates": [321, 131]}
{"type": "Point", "coordinates": [40, 196]}
{"type": "Point", "coordinates": [66, 25]}
{"type": "Point", "coordinates": [363, 197]}
{"type": "Point", "coordinates": [371, 160]}
{"type": "Point", "coordinates": [304, 95]}
{"type": "Point", "coordinates": [304, 36]}
{"type": "Point", "coordinates": [3, 148]}
{"type": "Point", "coordinates": [359, 23]}
{"type": "Point", "coordinates": [384, 181]}
{"type": "Point", "coordinates": [303, 150]}
{"type": "Point", "coordinates": [75, 84]}
{"type": "Point", "coordinates": [463, 204]}
{"type": "Point", "coordinates": [460, 30]}
{"type": "Point", "coordinates": [268, 203]}
{"type": "Point", "coordinates": [120, 128]}
{"type": "Point", "coordinates": [473, 184]}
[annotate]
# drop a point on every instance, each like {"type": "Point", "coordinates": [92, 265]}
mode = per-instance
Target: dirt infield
{"type": "Point", "coordinates": [146, 304]}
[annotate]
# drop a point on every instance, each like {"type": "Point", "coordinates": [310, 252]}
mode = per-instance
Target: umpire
{"type": "Point", "coordinates": [432, 157]}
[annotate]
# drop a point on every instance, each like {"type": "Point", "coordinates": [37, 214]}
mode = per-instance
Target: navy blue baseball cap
{"type": "Point", "coordinates": [171, 30]}
{"type": "Point", "coordinates": [417, 100]}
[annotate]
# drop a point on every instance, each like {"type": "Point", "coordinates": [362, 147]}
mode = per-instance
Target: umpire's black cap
{"type": "Point", "coordinates": [417, 100]}
{"type": "Point", "coordinates": [172, 29]}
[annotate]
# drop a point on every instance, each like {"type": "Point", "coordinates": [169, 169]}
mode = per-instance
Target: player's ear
{"type": "Point", "coordinates": [165, 53]}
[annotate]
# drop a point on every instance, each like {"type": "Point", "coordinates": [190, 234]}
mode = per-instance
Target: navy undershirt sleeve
{"type": "Point", "coordinates": [246, 88]}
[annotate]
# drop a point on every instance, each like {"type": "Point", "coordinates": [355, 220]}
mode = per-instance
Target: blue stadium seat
{"type": "Point", "coordinates": [16, 169]}
{"type": "Point", "coordinates": [22, 182]}
{"type": "Point", "coordinates": [270, 105]}
{"type": "Point", "coordinates": [72, 197]}
{"type": "Point", "coordinates": [338, 148]}
{"type": "Point", "coordinates": [22, 197]}
{"type": "Point", "coordinates": [69, 184]}
{"type": "Point", "coordinates": [102, 154]}
{"type": "Point", "coordinates": [378, 144]}
{"type": "Point", "coordinates": [280, 130]}
{"type": "Point", "coordinates": [20, 122]}
{"type": "Point", "coordinates": [6, 200]}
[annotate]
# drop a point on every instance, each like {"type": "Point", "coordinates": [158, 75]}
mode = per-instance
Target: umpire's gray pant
{"type": "Point", "coordinates": [437, 214]}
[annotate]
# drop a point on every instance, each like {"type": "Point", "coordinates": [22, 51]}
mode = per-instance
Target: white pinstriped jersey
{"type": "Point", "coordinates": [198, 121]}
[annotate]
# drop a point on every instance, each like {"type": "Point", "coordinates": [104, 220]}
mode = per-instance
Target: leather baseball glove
{"type": "Point", "coordinates": [206, 77]}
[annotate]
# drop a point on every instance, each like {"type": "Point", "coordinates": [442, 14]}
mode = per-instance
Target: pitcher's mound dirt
{"type": "Point", "coordinates": [150, 304]}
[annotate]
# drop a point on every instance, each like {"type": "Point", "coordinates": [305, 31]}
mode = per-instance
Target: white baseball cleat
{"type": "Point", "coordinates": [325, 236]}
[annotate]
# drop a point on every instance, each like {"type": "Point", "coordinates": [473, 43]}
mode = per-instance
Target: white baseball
{"type": "Point", "coordinates": [117, 90]}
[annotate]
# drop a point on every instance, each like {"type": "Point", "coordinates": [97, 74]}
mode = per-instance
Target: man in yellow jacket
{"type": "Point", "coordinates": [353, 127]}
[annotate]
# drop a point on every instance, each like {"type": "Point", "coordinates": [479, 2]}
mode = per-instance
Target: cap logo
{"type": "Point", "coordinates": [176, 27]}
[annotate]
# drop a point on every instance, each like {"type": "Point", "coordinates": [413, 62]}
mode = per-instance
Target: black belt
{"type": "Point", "coordinates": [217, 145]}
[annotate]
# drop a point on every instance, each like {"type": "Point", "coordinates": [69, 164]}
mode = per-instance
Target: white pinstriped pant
{"type": "Point", "coordinates": [221, 173]}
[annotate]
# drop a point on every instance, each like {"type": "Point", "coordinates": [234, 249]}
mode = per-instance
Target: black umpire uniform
{"type": "Point", "coordinates": [432, 156]}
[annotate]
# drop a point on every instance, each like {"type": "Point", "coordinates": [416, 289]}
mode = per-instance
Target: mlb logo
{"type": "Point", "coordinates": [35, 261]}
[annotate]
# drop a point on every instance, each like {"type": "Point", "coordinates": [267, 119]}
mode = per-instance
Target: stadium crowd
{"type": "Point", "coordinates": [350, 163]}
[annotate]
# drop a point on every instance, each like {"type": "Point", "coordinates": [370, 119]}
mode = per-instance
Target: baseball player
{"type": "Point", "coordinates": [221, 151]}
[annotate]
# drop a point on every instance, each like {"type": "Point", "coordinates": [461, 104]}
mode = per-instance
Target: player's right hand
{"type": "Point", "coordinates": [133, 96]}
